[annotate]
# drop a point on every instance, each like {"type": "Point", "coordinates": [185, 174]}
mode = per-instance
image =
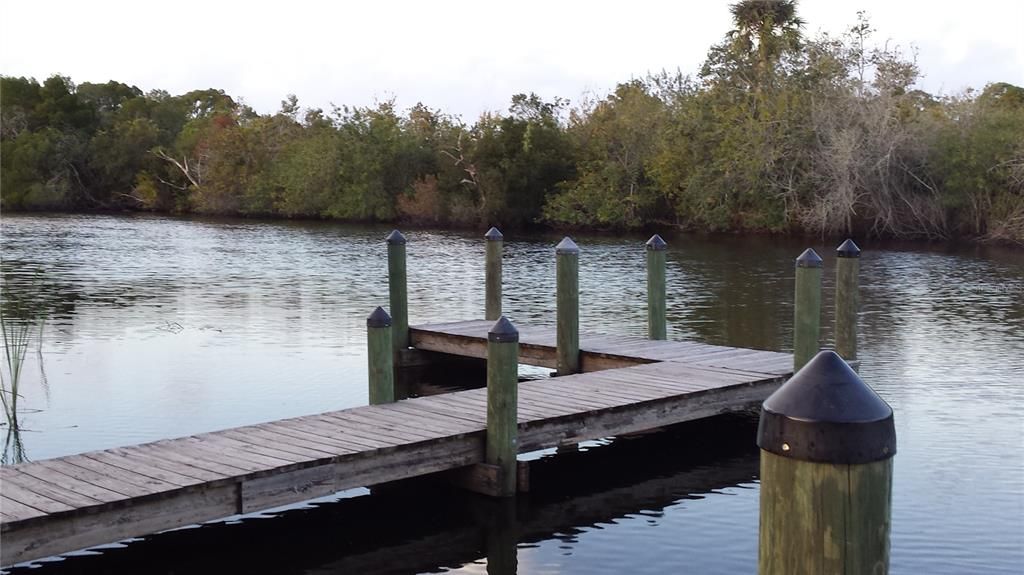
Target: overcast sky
{"type": "Point", "coordinates": [464, 57]}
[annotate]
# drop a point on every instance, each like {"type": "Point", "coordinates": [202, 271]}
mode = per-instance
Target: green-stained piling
{"type": "Point", "coordinates": [380, 356]}
{"type": "Point", "coordinates": [567, 339]}
{"type": "Point", "coordinates": [495, 245]}
{"type": "Point", "coordinates": [398, 291]}
{"type": "Point", "coordinates": [827, 443]}
{"type": "Point", "coordinates": [807, 308]}
{"type": "Point", "coordinates": [656, 324]}
{"type": "Point", "coordinates": [502, 400]}
{"type": "Point", "coordinates": [847, 299]}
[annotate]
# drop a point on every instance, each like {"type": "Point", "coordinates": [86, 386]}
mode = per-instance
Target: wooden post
{"type": "Point", "coordinates": [656, 325]}
{"type": "Point", "coordinates": [495, 243]}
{"type": "Point", "coordinates": [398, 291]}
{"type": "Point", "coordinates": [381, 357]}
{"type": "Point", "coordinates": [847, 299]}
{"type": "Point", "coordinates": [827, 443]}
{"type": "Point", "coordinates": [567, 339]}
{"type": "Point", "coordinates": [807, 308]}
{"type": "Point", "coordinates": [502, 401]}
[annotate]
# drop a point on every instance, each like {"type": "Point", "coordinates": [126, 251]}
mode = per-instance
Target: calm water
{"type": "Point", "coordinates": [163, 327]}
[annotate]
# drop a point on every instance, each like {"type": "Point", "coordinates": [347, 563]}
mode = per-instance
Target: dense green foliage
{"type": "Point", "coordinates": [777, 133]}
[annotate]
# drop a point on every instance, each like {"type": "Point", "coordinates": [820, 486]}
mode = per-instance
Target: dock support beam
{"type": "Point", "coordinates": [381, 358]}
{"type": "Point", "coordinates": [495, 244]}
{"type": "Point", "coordinates": [807, 308]}
{"type": "Point", "coordinates": [567, 338]}
{"type": "Point", "coordinates": [398, 291]}
{"type": "Point", "coordinates": [656, 324]}
{"type": "Point", "coordinates": [502, 403]}
{"type": "Point", "coordinates": [827, 443]}
{"type": "Point", "coordinates": [847, 299]}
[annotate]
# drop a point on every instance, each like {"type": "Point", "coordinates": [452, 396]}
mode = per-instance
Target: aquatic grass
{"type": "Point", "coordinates": [20, 326]}
{"type": "Point", "coordinates": [18, 335]}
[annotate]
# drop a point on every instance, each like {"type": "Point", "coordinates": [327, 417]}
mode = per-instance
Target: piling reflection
{"type": "Point", "coordinates": [426, 526]}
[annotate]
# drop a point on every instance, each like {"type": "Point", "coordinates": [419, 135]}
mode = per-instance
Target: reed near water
{"type": "Point", "coordinates": [21, 326]}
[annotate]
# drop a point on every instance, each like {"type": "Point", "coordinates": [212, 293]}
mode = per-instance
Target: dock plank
{"type": "Point", "coordinates": [19, 485]}
{"type": "Point", "coordinates": [56, 480]}
{"type": "Point", "coordinates": [16, 511]}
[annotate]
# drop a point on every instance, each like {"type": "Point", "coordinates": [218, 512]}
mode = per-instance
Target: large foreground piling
{"type": "Point", "coordinates": [807, 308]}
{"type": "Point", "coordinates": [567, 338]}
{"type": "Point", "coordinates": [381, 357]}
{"type": "Point", "coordinates": [827, 443]}
{"type": "Point", "coordinates": [847, 299]}
{"type": "Point", "coordinates": [502, 400]}
{"type": "Point", "coordinates": [656, 324]}
{"type": "Point", "coordinates": [495, 244]}
{"type": "Point", "coordinates": [398, 291]}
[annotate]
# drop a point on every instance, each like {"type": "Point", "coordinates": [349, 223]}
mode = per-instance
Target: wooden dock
{"type": "Point", "coordinates": [629, 384]}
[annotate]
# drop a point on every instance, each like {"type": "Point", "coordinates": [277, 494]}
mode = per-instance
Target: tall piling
{"type": "Point", "coordinates": [492, 281]}
{"type": "Point", "coordinates": [827, 445]}
{"type": "Point", "coordinates": [656, 322]}
{"type": "Point", "coordinates": [398, 293]}
{"type": "Point", "coordinates": [567, 339]}
{"type": "Point", "coordinates": [807, 308]}
{"type": "Point", "coordinates": [502, 399]}
{"type": "Point", "coordinates": [847, 299]}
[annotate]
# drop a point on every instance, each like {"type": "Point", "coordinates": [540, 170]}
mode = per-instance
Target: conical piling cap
{"type": "Point", "coordinates": [826, 413]}
{"type": "Point", "coordinates": [808, 259]}
{"type": "Point", "coordinates": [494, 235]}
{"type": "Point", "coordinates": [656, 243]}
{"type": "Point", "coordinates": [848, 249]}
{"type": "Point", "coordinates": [503, 331]}
{"type": "Point", "coordinates": [567, 246]}
{"type": "Point", "coordinates": [379, 318]}
{"type": "Point", "coordinates": [396, 237]}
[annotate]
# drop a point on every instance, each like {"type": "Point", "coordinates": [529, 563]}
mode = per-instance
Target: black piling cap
{"type": "Point", "coordinates": [396, 237]}
{"type": "Point", "coordinates": [826, 413]}
{"type": "Point", "coordinates": [808, 259]}
{"type": "Point", "coordinates": [567, 246]}
{"type": "Point", "coordinates": [379, 318]}
{"type": "Point", "coordinates": [493, 235]}
{"type": "Point", "coordinates": [503, 331]}
{"type": "Point", "coordinates": [848, 249]}
{"type": "Point", "coordinates": [656, 243]}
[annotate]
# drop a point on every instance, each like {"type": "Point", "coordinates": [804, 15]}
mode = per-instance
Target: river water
{"type": "Point", "coordinates": [160, 327]}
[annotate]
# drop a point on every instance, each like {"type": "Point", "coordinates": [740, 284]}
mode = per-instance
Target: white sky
{"type": "Point", "coordinates": [461, 56]}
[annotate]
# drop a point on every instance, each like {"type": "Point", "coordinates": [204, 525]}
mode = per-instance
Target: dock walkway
{"type": "Point", "coordinates": [629, 384]}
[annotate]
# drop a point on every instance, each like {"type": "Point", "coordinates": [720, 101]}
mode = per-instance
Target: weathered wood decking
{"type": "Point", "coordinates": [632, 384]}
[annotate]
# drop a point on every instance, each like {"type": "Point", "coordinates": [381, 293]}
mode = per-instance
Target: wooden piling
{"type": "Point", "coordinates": [567, 337]}
{"type": "Point", "coordinates": [847, 299]}
{"type": "Point", "coordinates": [495, 244]}
{"type": "Point", "coordinates": [827, 443]}
{"type": "Point", "coordinates": [656, 324]}
{"type": "Point", "coordinates": [502, 401]}
{"type": "Point", "coordinates": [381, 357]}
{"type": "Point", "coordinates": [398, 291]}
{"type": "Point", "coordinates": [807, 308]}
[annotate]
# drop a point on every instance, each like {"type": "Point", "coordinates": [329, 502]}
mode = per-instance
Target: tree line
{"type": "Point", "coordinates": [777, 132]}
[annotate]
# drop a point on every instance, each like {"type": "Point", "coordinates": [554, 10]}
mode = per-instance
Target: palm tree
{"type": "Point", "coordinates": [771, 27]}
